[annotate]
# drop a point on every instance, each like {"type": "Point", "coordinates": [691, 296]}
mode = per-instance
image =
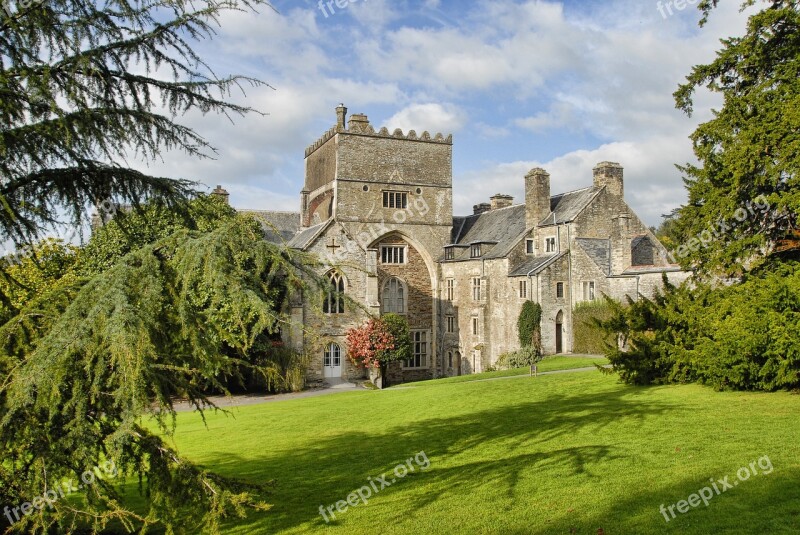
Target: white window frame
{"type": "Point", "coordinates": [551, 245]}
{"type": "Point", "coordinates": [589, 293]}
{"type": "Point", "coordinates": [420, 347]}
{"type": "Point", "coordinates": [475, 250]}
{"type": "Point", "coordinates": [402, 298]}
{"type": "Point", "coordinates": [396, 254]}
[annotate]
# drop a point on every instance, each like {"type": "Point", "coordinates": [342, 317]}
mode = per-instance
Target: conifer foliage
{"type": "Point", "coordinates": [87, 86]}
{"type": "Point", "coordinates": [84, 366]}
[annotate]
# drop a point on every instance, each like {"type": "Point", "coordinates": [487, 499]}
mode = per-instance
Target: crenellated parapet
{"type": "Point", "coordinates": [359, 125]}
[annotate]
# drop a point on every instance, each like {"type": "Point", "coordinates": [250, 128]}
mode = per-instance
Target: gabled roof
{"type": "Point", "coordinates": [502, 227]}
{"type": "Point", "coordinates": [535, 265]}
{"type": "Point", "coordinates": [306, 237]}
{"type": "Point", "coordinates": [599, 250]}
{"type": "Point", "coordinates": [280, 227]}
{"type": "Point", "coordinates": [566, 207]}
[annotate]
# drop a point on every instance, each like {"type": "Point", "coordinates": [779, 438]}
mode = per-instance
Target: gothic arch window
{"type": "Point", "coordinates": [334, 297]}
{"type": "Point", "coordinates": [394, 296]}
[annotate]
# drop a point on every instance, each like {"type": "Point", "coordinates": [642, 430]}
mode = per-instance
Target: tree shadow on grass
{"type": "Point", "coordinates": [327, 470]}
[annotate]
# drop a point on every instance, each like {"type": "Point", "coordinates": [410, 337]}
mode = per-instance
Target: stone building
{"type": "Point", "coordinates": [377, 207]}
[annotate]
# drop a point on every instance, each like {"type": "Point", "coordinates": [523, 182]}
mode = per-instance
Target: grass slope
{"type": "Point", "coordinates": [548, 364]}
{"type": "Point", "coordinates": [564, 453]}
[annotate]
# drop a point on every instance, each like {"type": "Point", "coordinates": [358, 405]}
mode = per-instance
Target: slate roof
{"type": "Point", "coordinates": [534, 265]}
{"type": "Point", "coordinates": [304, 238]}
{"type": "Point", "coordinates": [638, 270]}
{"type": "Point", "coordinates": [599, 250]}
{"type": "Point", "coordinates": [566, 206]}
{"type": "Point", "coordinates": [280, 227]}
{"type": "Point", "coordinates": [499, 229]}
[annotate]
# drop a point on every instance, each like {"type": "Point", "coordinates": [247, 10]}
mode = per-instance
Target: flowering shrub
{"type": "Point", "coordinates": [366, 345]}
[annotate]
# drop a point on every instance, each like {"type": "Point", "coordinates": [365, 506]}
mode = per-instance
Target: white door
{"type": "Point", "coordinates": [332, 361]}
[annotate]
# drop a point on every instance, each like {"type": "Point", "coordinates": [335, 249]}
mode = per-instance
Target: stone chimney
{"type": "Point", "coordinates": [537, 196]}
{"type": "Point", "coordinates": [341, 115]}
{"type": "Point", "coordinates": [620, 243]}
{"type": "Point", "coordinates": [481, 208]}
{"type": "Point", "coordinates": [501, 201]}
{"type": "Point", "coordinates": [609, 174]}
{"type": "Point", "coordinates": [221, 193]}
{"type": "Point", "coordinates": [358, 122]}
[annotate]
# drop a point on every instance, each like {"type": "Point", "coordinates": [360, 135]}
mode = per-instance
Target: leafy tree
{"type": "Point", "coordinates": [744, 195]}
{"type": "Point", "coordinates": [84, 365]}
{"type": "Point", "coordinates": [402, 347]}
{"type": "Point", "coordinates": [127, 232]}
{"type": "Point", "coordinates": [86, 85]}
{"type": "Point", "coordinates": [36, 270]}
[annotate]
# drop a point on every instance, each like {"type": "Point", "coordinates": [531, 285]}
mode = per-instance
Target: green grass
{"type": "Point", "coordinates": [548, 364]}
{"type": "Point", "coordinates": [563, 453]}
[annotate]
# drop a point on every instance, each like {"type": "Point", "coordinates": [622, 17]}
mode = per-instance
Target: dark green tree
{"type": "Point", "coordinates": [85, 87]}
{"type": "Point", "coordinates": [744, 195]}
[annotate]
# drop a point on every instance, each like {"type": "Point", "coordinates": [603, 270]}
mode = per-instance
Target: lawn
{"type": "Point", "coordinates": [548, 364]}
{"type": "Point", "coordinates": [562, 453]}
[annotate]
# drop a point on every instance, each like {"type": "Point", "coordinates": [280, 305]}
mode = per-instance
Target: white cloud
{"type": "Point", "coordinates": [434, 118]}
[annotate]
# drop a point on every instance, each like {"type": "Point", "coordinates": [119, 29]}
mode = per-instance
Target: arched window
{"type": "Point", "coordinates": [394, 296]}
{"type": "Point", "coordinates": [334, 298]}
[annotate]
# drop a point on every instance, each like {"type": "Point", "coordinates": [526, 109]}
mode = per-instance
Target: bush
{"type": "Point", "coordinates": [524, 357]}
{"type": "Point", "coordinates": [589, 336]}
{"type": "Point", "coordinates": [740, 337]}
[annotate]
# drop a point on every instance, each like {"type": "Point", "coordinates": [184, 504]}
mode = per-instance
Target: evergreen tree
{"type": "Point", "coordinates": [84, 86]}
{"type": "Point", "coordinates": [744, 196]}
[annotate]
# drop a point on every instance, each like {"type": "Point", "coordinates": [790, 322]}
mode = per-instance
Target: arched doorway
{"type": "Point", "coordinates": [560, 332]}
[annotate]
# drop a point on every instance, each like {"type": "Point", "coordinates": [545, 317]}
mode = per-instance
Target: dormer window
{"type": "Point", "coordinates": [449, 253]}
{"type": "Point", "coordinates": [529, 246]}
{"type": "Point", "coordinates": [475, 251]}
{"type": "Point", "coordinates": [550, 245]}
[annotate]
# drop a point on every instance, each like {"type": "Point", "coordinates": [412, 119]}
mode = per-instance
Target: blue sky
{"type": "Point", "coordinates": [519, 84]}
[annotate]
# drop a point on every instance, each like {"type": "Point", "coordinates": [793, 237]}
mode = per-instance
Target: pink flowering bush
{"type": "Point", "coordinates": [367, 345]}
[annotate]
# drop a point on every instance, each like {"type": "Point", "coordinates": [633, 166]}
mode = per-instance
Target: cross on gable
{"type": "Point", "coordinates": [332, 245]}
